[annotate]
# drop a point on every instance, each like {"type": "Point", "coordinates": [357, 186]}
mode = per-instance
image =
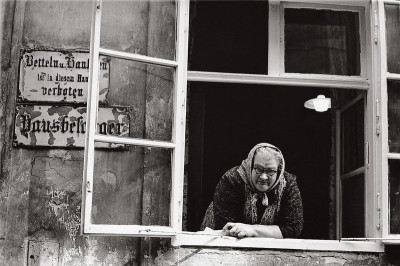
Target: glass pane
{"type": "Point", "coordinates": [393, 37]}
{"type": "Point", "coordinates": [352, 136]}
{"type": "Point", "coordinates": [322, 42]}
{"type": "Point", "coordinates": [353, 213]}
{"type": "Point", "coordinates": [131, 185]}
{"type": "Point", "coordinates": [141, 27]}
{"type": "Point", "coordinates": [394, 115]}
{"type": "Point", "coordinates": [394, 196]}
{"type": "Point", "coordinates": [229, 36]}
{"type": "Point", "coordinates": [146, 92]}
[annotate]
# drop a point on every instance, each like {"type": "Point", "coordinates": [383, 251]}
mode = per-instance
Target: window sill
{"type": "Point", "coordinates": [394, 241]}
{"type": "Point", "coordinates": [196, 239]}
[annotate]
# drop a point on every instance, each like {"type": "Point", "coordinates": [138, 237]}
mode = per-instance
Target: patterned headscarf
{"type": "Point", "coordinates": [252, 194]}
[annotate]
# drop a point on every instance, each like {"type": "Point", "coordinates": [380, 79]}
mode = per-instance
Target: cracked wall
{"type": "Point", "coordinates": [213, 256]}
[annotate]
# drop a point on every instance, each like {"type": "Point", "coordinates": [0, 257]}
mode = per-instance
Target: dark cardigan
{"type": "Point", "coordinates": [229, 200]}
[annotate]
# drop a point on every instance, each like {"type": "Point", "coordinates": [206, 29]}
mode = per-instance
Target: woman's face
{"type": "Point", "coordinates": [264, 172]}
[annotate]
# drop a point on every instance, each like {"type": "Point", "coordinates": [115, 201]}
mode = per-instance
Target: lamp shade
{"type": "Point", "coordinates": [320, 104]}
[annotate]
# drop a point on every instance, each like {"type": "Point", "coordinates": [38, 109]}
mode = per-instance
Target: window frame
{"type": "Point", "coordinates": [276, 53]}
{"type": "Point", "coordinates": [178, 129]}
{"type": "Point", "coordinates": [353, 173]}
{"type": "Point", "coordinates": [385, 76]}
{"type": "Point", "coordinates": [274, 77]}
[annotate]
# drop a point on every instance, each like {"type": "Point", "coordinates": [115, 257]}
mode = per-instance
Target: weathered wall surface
{"type": "Point", "coordinates": [40, 188]}
{"type": "Point", "coordinates": [207, 256]}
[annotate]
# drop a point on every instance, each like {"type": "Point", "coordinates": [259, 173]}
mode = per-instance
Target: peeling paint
{"type": "Point", "coordinates": [59, 205]}
{"type": "Point", "coordinates": [63, 154]}
{"type": "Point", "coordinates": [70, 254]}
{"type": "Point", "coordinates": [43, 253]}
{"type": "Point", "coordinates": [109, 178]}
{"type": "Point", "coordinates": [334, 261]}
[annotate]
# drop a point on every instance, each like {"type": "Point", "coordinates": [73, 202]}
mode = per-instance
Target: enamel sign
{"type": "Point", "coordinates": [65, 126]}
{"type": "Point", "coordinates": [47, 76]}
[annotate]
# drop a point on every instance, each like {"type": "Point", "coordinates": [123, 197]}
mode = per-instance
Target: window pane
{"type": "Point", "coordinates": [147, 91]}
{"type": "Point", "coordinates": [322, 42]}
{"type": "Point", "coordinates": [394, 196]}
{"type": "Point", "coordinates": [393, 37]}
{"type": "Point", "coordinates": [144, 27]}
{"type": "Point", "coordinates": [229, 36]}
{"type": "Point", "coordinates": [352, 136]}
{"type": "Point", "coordinates": [394, 115]}
{"type": "Point", "coordinates": [131, 186]}
{"type": "Point", "coordinates": [353, 213]}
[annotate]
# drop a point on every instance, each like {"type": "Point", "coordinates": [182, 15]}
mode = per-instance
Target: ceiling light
{"type": "Point", "coordinates": [320, 104]}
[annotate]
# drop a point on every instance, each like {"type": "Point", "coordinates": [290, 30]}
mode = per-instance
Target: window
{"type": "Point", "coordinates": [238, 63]}
{"type": "Point", "coordinates": [390, 109]}
{"type": "Point", "coordinates": [352, 173]}
{"type": "Point", "coordinates": [136, 190]}
{"type": "Point", "coordinates": [322, 41]}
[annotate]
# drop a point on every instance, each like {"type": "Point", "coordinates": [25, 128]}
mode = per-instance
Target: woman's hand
{"type": "Point", "coordinates": [239, 230]}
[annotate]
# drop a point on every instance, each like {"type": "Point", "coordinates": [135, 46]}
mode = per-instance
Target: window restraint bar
{"type": "Point", "coordinates": [139, 58]}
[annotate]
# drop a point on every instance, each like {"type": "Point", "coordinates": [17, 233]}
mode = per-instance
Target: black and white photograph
{"type": "Point", "coordinates": [199, 132]}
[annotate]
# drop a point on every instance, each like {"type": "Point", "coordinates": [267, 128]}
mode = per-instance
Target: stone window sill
{"type": "Point", "coordinates": [204, 240]}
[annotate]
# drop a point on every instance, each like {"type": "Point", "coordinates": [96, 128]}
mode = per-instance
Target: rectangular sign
{"type": "Point", "coordinates": [65, 126]}
{"type": "Point", "coordinates": [59, 77]}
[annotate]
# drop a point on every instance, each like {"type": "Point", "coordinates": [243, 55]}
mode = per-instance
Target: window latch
{"type": "Point", "coordinates": [378, 116]}
{"type": "Point", "coordinates": [378, 210]}
{"type": "Point", "coordinates": [88, 187]}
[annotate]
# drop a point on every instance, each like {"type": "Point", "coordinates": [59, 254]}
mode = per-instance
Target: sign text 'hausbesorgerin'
{"type": "Point", "coordinates": [65, 126]}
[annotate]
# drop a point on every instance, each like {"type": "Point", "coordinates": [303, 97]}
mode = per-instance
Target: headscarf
{"type": "Point", "coordinates": [252, 194]}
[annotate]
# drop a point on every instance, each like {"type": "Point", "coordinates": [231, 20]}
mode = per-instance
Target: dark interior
{"type": "Point", "coordinates": [227, 120]}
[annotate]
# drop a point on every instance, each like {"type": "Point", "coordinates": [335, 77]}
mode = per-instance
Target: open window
{"type": "Point", "coordinates": [390, 11]}
{"type": "Point", "coordinates": [131, 182]}
{"type": "Point", "coordinates": [252, 65]}
{"type": "Point", "coordinates": [234, 103]}
{"type": "Point", "coordinates": [351, 169]}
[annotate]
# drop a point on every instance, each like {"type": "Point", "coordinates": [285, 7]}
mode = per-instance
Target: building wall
{"type": "Point", "coordinates": [40, 188]}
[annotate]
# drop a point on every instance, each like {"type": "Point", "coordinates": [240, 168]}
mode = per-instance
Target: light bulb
{"type": "Point", "coordinates": [321, 104]}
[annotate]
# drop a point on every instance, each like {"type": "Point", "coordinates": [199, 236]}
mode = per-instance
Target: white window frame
{"type": "Point", "coordinates": [178, 133]}
{"type": "Point", "coordinates": [360, 170]}
{"type": "Point", "coordinates": [274, 77]}
{"type": "Point", "coordinates": [387, 237]}
{"type": "Point", "coordinates": [276, 55]}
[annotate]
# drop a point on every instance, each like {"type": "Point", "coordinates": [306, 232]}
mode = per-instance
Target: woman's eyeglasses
{"type": "Point", "coordinates": [259, 170]}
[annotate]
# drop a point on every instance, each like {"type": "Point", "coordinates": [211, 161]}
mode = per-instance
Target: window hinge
{"type": "Point", "coordinates": [367, 155]}
{"type": "Point", "coordinates": [183, 116]}
{"type": "Point", "coordinates": [378, 116]}
{"type": "Point", "coordinates": [378, 210]}
{"type": "Point", "coordinates": [376, 27]}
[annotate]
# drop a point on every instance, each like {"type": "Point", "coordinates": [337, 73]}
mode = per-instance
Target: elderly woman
{"type": "Point", "coordinates": [257, 198]}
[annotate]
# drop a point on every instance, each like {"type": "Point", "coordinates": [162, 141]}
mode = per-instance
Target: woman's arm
{"type": "Point", "coordinates": [228, 200]}
{"type": "Point", "coordinates": [241, 230]}
{"type": "Point", "coordinates": [288, 225]}
{"type": "Point", "coordinates": [290, 219]}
